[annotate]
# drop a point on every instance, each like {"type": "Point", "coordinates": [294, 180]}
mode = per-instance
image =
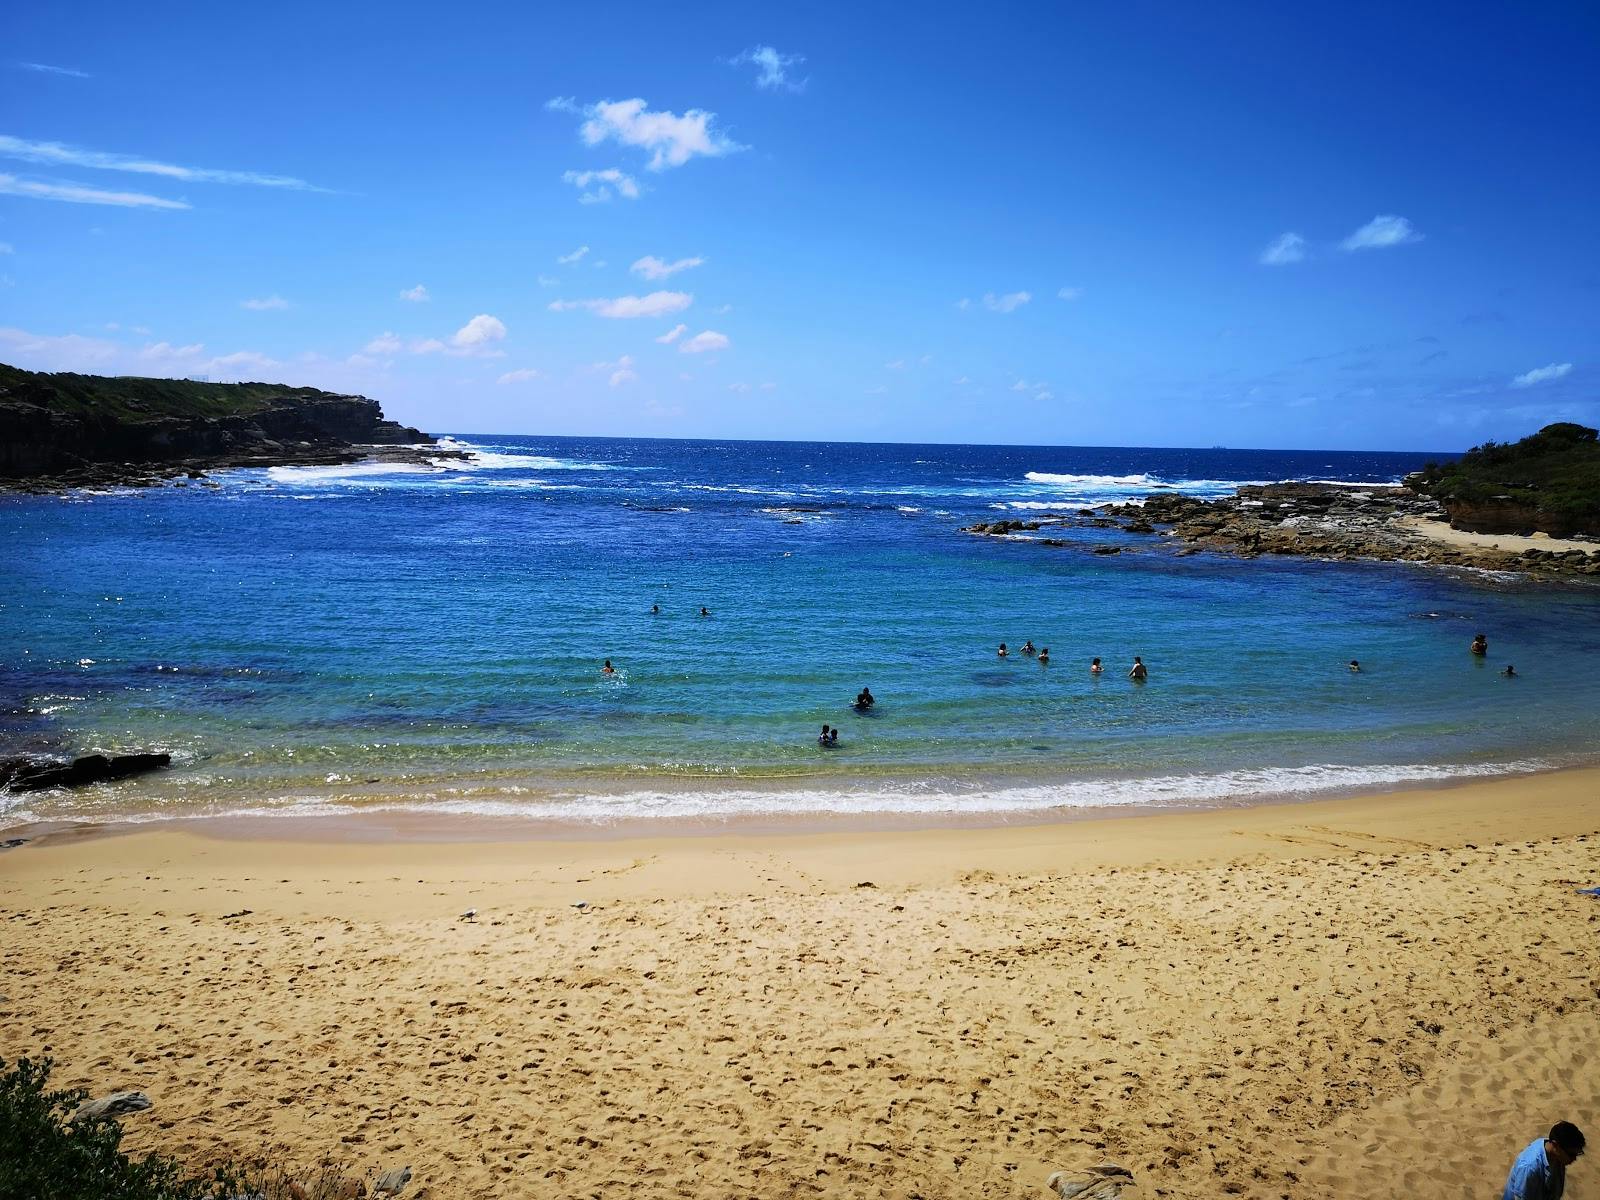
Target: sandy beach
{"type": "Point", "coordinates": [1461, 539]}
{"type": "Point", "coordinates": [1383, 995]}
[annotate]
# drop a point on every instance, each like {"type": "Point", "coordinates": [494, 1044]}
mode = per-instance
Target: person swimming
{"type": "Point", "coordinates": [704, 611]}
{"type": "Point", "coordinates": [1027, 647]}
{"type": "Point", "coordinates": [1044, 657]}
{"type": "Point", "coordinates": [1480, 644]}
{"type": "Point", "coordinates": [608, 669]}
{"type": "Point", "coordinates": [1002, 652]}
{"type": "Point", "coordinates": [1354, 665]}
{"type": "Point", "coordinates": [864, 700]}
{"type": "Point", "coordinates": [824, 738]}
{"type": "Point", "coordinates": [655, 610]}
{"type": "Point", "coordinates": [1095, 668]}
{"type": "Point", "coordinates": [1510, 672]}
{"type": "Point", "coordinates": [1138, 672]}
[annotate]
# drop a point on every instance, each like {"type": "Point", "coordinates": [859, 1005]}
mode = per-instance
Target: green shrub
{"type": "Point", "coordinates": [1556, 472]}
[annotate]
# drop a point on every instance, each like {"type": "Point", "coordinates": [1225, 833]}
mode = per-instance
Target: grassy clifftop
{"type": "Point", "coordinates": [133, 398]}
{"type": "Point", "coordinates": [66, 427]}
{"type": "Point", "coordinates": [1548, 481]}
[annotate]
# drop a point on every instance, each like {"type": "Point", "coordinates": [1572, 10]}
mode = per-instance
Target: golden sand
{"type": "Point", "coordinates": [1461, 539]}
{"type": "Point", "coordinates": [1386, 996]}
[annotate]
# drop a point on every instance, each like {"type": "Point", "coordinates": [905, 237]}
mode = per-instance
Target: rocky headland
{"type": "Point", "coordinates": [62, 431]}
{"type": "Point", "coordinates": [1307, 519]}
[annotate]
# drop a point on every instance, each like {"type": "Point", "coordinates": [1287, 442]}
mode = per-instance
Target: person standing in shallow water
{"type": "Point", "coordinates": [1480, 644]}
{"type": "Point", "coordinates": [1138, 672]}
{"type": "Point", "coordinates": [1095, 668]}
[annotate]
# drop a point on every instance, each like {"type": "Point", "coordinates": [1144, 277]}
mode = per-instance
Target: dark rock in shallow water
{"type": "Point", "coordinates": [90, 768]}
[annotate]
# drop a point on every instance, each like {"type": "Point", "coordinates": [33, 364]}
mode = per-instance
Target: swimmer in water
{"type": "Point", "coordinates": [1002, 652]}
{"type": "Point", "coordinates": [1139, 672]}
{"type": "Point", "coordinates": [704, 611]}
{"type": "Point", "coordinates": [1354, 665]}
{"type": "Point", "coordinates": [822, 738]}
{"type": "Point", "coordinates": [655, 610]}
{"type": "Point", "coordinates": [1027, 647]}
{"type": "Point", "coordinates": [1510, 672]}
{"type": "Point", "coordinates": [865, 700]}
{"type": "Point", "coordinates": [1044, 657]}
{"type": "Point", "coordinates": [833, 736]}
{"type": "Point", "coordinates": [1095, 668]}
{"type": "Point", "coordinates": [608, 669]}
{"type": "Point", "coordinates": [1480, 644]}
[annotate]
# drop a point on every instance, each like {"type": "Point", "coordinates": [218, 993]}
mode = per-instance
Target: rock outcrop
{"type": "Point", "coordinates": [1308, 519]}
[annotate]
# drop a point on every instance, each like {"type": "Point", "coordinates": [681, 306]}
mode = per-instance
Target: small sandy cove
{"type": "Point", "coordinates": [1382, 996]}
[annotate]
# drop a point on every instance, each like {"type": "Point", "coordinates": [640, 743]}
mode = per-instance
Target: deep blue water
{"type": "Point", "coordinates": [309, 639]}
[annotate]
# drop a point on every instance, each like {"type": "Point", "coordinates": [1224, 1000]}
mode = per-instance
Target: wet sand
{"type": "Point", "coordinates": [1379, 995]}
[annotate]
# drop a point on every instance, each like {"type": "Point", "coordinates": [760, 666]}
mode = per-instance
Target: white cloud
{"type": "Point", "coordinates": [47, 69]}
{"type": "Point", "coordinates": [235, 366]}
{"type": "Point", "coordinates": [898, 364]}
{"type": "Point", "coordinates": [265, 304]}
{"type": "Point", "coordinates": [585, 181]}
{"type": "Point", "coordinates": [7, 248]}
{"type": "Point", "coordinates": [384, 343]}
{"type": "Point", "coordinates": [772, 67]}
{"type": "Point", "coordinates": [166, 351]}
{"type": "Point", "coordinates": [742, 389]}
{"type": "Point", "coordinates": [10, 185]}
{"type": "Point", "coordinates": [1044, 395]}
{"type": "Point", "coordinates": [56, 154]}
{"type": "Point", "coordinates": [673, 334]}
{"type": "Point", "coordinates": [671, 140]}
{"type": "Point", "coordinates": [42, 352]}
{"type": "Point", "coordinates": [1541, 375]}
{"type": "Point", "coordinates": [1382, 231]}
{"type": "Point", "coordinates": [656, 304]}
{"type": "Point", "coordinates": [961, 380]}
{"type": "Point", "coordinates": [1009, 302]}
{"type": "Point", "coordinates": [963, 304]}
{"type": "Point", "coordinates": [880, 390]}
{"type": "Point", "coordinates": [652, 267]}
{"type": "Point", "coordinates": [705, 341]}
{"type": "Point", "coordinates": [548, 281]}
{"type": "Point", "coordinates": [621, 371]}
{"type": "Point", "coordinates": [478, 334]}
{"type": "Point", "coordinates": [1285, 249]}
{"type": "Point", "coordinates": [521, 376]}
{"type": "Point", "coordinates": [769, 387]}
{"type": "Point", "coordinates": [426, 346]}
{"type": "Point", "coordinates": [417, 295]}
{"type": "Point", "coordinates": [568, 259]}
{"type": "Point", "coordinates": [1069, 293]}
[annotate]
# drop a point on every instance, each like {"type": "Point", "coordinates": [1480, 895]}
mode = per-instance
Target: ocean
{"type": "Point", "coordinates": [310, 640]}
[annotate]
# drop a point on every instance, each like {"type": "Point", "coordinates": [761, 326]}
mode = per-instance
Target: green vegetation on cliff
{"type": "Point", "coordinates": [133, 398]}
{"type": "Point", "coordinates": [1549, 480]}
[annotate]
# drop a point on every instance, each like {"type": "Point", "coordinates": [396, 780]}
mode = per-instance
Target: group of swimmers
{"type": "Point", "coordinates": [655, 610]}
{"type": "Point", "coordinates": [1138, 671]}
{"type": "Point", "coordinates": [1480, 649]}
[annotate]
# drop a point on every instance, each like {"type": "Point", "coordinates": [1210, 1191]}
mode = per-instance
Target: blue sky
{"type": "Point", "coordinates": [1353, 226]}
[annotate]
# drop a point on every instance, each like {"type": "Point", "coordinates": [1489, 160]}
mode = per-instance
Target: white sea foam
{"type": "Point", "coordinates": [1093, 480]}
{"type": "Point", "coordinates": [728, 803]}
{"type": "Point", "coordinates": [481, 459]}
{"type": "Point", "coordinates": [358, 472]}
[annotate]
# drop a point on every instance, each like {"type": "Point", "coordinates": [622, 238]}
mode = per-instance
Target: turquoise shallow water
{"type": "Point", "coordinates": [315, 640]}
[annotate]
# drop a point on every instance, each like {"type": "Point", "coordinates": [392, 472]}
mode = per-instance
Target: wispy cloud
{"type": "Point", "coordinates": [656, 304]}
{"type": "Point", "coordinates": [595, 186]}
{"type": "Point", "coordinates": [71, 193]}
{"type": "Point", "coordinates": [568, 259]}
{"type": "Point", "coordinates": [704, 342]}
{"type": "Point", "coordinates": [671, 140]}
{"type": "Point", "coordinates": [772, 68]}
{"type": "Point", "coordinates": [1286, 248]}
{"type": "Point", "coordinates": [56, 154]}
{"type": "Point", "coordinates": [520, 376]}
{"type": "Point", "coordinates": [673, 334]}
{"type": "Point", "coordinates": [47, 69]}
{"type": "Point", "coordinates": [898, 364]}
{"type": "Point", "coordinates": [417, 295]}
{"type": "Point", "coordinates": [7, 248]}
{"type": "Point", "coordinates": [620, 372]}
{"type": "Point", "coordinates": [265, 304]}
{"type": "Point", "coordinates": [1380, 232]}
{"type": "Point", "coordinates": [1541, 375]}
{"type": "Point", "coordinates": [652, 267]}
{"type": "Point", "coordinates": [1070, 293]}
{"type": "Point", "coordinates": [1009, 302]}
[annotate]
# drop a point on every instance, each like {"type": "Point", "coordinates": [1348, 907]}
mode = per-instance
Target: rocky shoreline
{"type": "Point", "coordinates": [1315, 520]}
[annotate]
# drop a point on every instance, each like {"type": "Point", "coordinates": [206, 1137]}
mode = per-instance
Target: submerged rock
{"type": "Point", "coordinates": [90, 768]}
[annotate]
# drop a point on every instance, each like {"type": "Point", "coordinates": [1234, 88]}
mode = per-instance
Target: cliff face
{"type": "Point", "coordinates": [52, 425]}
{"type": "Point", "coordinates": [1549, 482]}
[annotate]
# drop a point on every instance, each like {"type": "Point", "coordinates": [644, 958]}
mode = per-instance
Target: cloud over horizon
{"type": "Point", "coordinates": [1542, 375]}
{"type": "Point", "coordinates": [671, 140]}
{"type": "Point", "coordinates": [656, 304]}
